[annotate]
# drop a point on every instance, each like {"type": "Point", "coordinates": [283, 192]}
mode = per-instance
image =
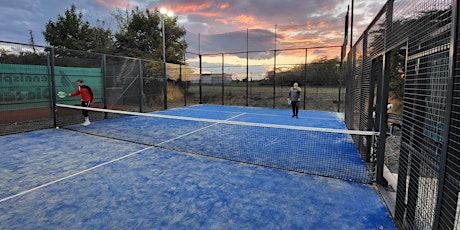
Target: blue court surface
{"type": "Point", "coordinates": [150, 178]}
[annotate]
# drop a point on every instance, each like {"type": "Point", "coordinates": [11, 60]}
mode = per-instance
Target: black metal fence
{"type": "Point", "coordinates": [33, 75]}
{"type": "Point", "coordinates": [260, 79]}
{"type": "Point", "coordinates": [408, 57]}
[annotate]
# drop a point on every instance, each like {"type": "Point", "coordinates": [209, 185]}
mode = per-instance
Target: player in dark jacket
{"type": "Point", "coordinates": [87, 97]}
{"type": "Point", "coordinates": [294, 98]}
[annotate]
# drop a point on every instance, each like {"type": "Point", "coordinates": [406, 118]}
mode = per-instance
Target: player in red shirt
{"type": "Point", "coordinates": [87, 97]}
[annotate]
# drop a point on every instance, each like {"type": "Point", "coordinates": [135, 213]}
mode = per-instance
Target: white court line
{"type": "Point", "coordinates": [264, 114]}
{"type": "Point", "coordinates": [194, 131]}
{"type": "Point", "coordinates": [73, 175]}
{"type": "Point", "coordinates": [101, 165]}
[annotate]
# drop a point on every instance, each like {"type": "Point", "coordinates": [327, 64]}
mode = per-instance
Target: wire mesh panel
{"type": "Point", "coordinates": [449, 208]}
{"type": "Point", "coordinates": [122, 80]}
{"type": "Point", "coordinates": [425, 99]}
{"type": "Point", "coordinates": [256, 68]}
{"type": "Point", "coordinates": [25, 88]}
{"type": "Point", "coordinates": [260, 86]}
{"type": "Point", "coordinates": [152, 86]}
{"type": "Point", "coordinates": [354, 87]}
{"type": "Point", "coordinates": [450, 211]}
{"type": "Point", "coordinates": [212, 79]}
{"type": "Point", "coordinates": [418, 36]}
{"type": "Point", "coordinates": [177, 75]}
{"type": "Point", "coordinates": [191, 84]}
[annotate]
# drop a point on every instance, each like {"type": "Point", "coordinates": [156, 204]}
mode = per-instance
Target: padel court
{"type": "Point", "coordinates": [175, 171]}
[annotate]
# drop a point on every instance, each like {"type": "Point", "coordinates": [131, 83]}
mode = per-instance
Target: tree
{"type": "Point", "coordinates": [426, 24]}
{"type": "Point", "coordinates": [102, 38]}
{"type": "Point", "coordinates": [140, 35]}
{"type": "Point", "coordinates": [71, 32]}
{"type": "Point", "coordinates": [320, 72]}
{"type": "Point", "coordinates": [397, 68]}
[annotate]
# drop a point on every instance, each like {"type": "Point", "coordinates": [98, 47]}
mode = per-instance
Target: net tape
{"type": "Point", "coordinates": [351, 132]}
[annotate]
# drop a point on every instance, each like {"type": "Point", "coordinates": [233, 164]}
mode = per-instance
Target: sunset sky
{"type": "Point", "coordinates": [220, 25]}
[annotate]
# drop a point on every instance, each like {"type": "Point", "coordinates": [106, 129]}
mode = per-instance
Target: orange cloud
{"type": "Point", "coordinates": [224, 6]}
{"type": "Point", "coordinates": [111, 4]}
{"type": "Point", "coordinates": [247, 19]}
{"type": "Point", "coordinates": [243, 22]}
{"type": "Point", "coordinates": [191, 8]}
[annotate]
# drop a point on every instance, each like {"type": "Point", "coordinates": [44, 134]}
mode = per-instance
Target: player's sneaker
{"type": "Point", "coordinates": [86, 123]}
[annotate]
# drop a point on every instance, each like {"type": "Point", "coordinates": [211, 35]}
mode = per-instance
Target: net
{"type": "Point", "coordinates": [320, 151]}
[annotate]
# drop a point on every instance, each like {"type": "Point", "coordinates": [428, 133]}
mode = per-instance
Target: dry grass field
{"type": "Point", "coordinates": [315, 98]}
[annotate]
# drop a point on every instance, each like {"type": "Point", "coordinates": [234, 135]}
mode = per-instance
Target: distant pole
{"type": "Point", "coordinates": [342, 57]}
{"type": "Point", "coordinates": [165, 82]}
{"type": "Point", "coordinates": [186, 82]}
{"type": "Point", "coordinates": [53, 86]}
{"type": "Point", "coordinates": [164, 12]}
{"type": "Point", "coordinates": [223, 73]}
{"type": "Point", "coordinates": [200, 82]}
{"type": "Point", "coordinates": [305, 84]}
{"type": "Point", "coordinates": [351, 23]}
{"type": "Point", "coordinates": [274, 73]}
{"type": "Point", "coordinates": [247, 67]}
{"type": "Point", "coordinates": [201, 71]}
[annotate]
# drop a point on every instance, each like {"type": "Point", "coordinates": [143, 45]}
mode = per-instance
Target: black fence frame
{"type": "Point", "coordinates": [428, 186]}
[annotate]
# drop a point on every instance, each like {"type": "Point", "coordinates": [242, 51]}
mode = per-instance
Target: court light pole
{"type": "Point", "coordinates": [165, 12]}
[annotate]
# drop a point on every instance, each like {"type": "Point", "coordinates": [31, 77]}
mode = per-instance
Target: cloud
{"type": "Point", "coordinates": [220, 22]}
{"type": "Point", "coordinates": [236, 42]}
{"type": "Point", "coordinates": [113, 4]}
{"type": "Point", "coordinates": [298, 24]}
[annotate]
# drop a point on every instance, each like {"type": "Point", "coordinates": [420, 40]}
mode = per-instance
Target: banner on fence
{"type": "Point", "coordinates": [29, 86]}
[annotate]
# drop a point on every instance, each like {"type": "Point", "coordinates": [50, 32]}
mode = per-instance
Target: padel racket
{"type": "Point", "coordinates": [61, 94]}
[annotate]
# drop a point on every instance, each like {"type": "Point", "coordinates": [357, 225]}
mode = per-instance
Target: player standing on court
{"type": "Point", "coordinates": [294, 98]}
{"type": "Point", "coordinates": [87, 97]}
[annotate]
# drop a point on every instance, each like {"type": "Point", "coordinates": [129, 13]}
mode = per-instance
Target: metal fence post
{"type": "Point", "coordinates": [53, 87]}
{"type": "Point", "coordinates": [200, 82]}
{"type": "Point", "coordinates": [141, 87]}
{"type": "Point", "coordinates": [104, 83]}
{"type": "Point", "coordinates": [446, 189]}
